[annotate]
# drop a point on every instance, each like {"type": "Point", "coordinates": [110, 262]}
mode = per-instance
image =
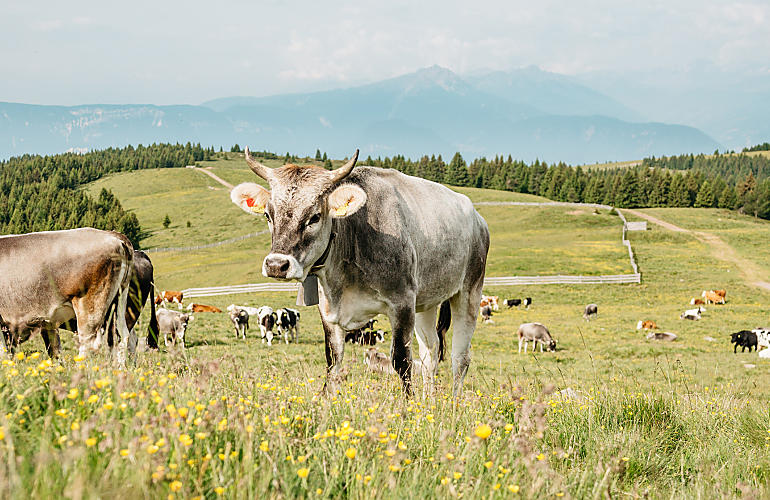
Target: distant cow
{"type": "Point", "coordinates": [240, 319]}
{"type": "Point", "coordinates": [203, 308]}
{"type": "Point", "coordinates": [744, 338]}
{"type": "Point", "coordinates": [591, 310]}
{"type": "Point", "coordinates": [267, 319]}
{"type": "Point", "coordinates": [646, 325]}
{"type": "Point", "coordinates": [713, 297]}
{"type": "Point", "coordinates": [486, 314]}
{"type": "Point", "coordinates": [173, 326]}
{"type": "Point", "coordinates": [288, 324]}
{"type": "Point", "coordinates": [693, 314]}
{"type": "Point", "coordinates": [527, 302]}
{"type": "Point", "coordinates": [491, 301]}
{"type": "Point", "coordinates": [696, 302]}
{"type": "Point", "coordinates": [51, 277]}
{"type": "Point", "coordinates": [357, 336]}
{"type": "Point", "coordinates": [721, 293]}
{"type": "Point", "coordinates": [512, 303]}
{"type": "Point", "coordinates": [662, 336]}
{"type": "Point", "coordinates": [763, 337]}
{"type": "Point", "coordinates": [170, 296]}
{"type": "Point", "coordinates": [538, 334]}
{"type": "Point", "coordinates": [366, 337]}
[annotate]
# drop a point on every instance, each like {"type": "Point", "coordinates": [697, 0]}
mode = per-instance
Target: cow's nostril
{"type": "Point", "coordinates": [284, 267]}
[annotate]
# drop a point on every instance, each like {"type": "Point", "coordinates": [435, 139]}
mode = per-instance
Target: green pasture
{"type": "Point", "coordinates": [664, 420]}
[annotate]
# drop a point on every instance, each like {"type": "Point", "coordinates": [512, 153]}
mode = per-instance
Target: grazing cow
{"type": "Point", "coordinates": [744, 338]}
{"type": "Point", "coordinates": [661, 336]}
{"type": "Point", "coordinates": [538, 334]}
{"type": "Point", "coordinates": [646, 325]}
{"type": "Point", "coordinates": [203, 308]}
{"type": "Point", "coordinates": [721, 293]}
{"type": "Point", "coordinates": [267, 319]}
{"type": "Point", "coordinates": [527, 302]}
{"type": "Point", "coordinates": [691, 314]}
{"type": "Point", "coordinates": [173, 325]}
{"type": "Point", "coordinates": [591, 310]}
{"type": "Point", "coordinates": [253, 311]}
{"type": "Point", "coordinates": [486, 314]}
{"type": "Point", "coordinates": [489, 300]}
{"type": "Point", "coordinates": [712, 297]}
{"type": "Point", "coordinates": [240, 319]}
{"type": "Point", "coordinates": [51, 277]}
{"type": "Point", "coordinates": [357, 336]}
{"type": "Point", "coordinates": [288, 324]}
{"type": "Point", "coordinates": [696, 302]}
{"type": "Point", "coordinates": [170, 296]}
{"type": "Point", "coordinates": [512, 302]}
{"type": "Point", "coordinates": [378, 241]}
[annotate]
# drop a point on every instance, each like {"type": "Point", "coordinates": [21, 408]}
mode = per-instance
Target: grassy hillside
{"type": "Point", "coordinates": [682, 420]}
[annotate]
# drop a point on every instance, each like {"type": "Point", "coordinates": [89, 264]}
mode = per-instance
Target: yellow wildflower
{"type": "Point", "coordinates": [303, 472]}
{"type": "Point", "coordinates": [483, 431]}
{"type": "Point", "coordinates": [350, 453]}
{"type": "Point", "coordinates": [90, 442]}
{"type": "Point", "coordinates": [175, 486]}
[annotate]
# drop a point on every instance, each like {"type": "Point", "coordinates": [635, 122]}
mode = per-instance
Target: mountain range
{"type": "Point", "coordinates": [527, 113]}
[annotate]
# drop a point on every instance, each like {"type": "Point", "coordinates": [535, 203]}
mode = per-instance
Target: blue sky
{"type": "Point", "coordinates": [171, 51]}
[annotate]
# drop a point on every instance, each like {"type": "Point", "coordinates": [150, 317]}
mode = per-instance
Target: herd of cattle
{"type": "Point", "coordinates": [328, 231]}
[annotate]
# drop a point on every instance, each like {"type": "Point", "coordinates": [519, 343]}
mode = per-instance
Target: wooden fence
{"type": "Point", "coordinates": [559, 279]}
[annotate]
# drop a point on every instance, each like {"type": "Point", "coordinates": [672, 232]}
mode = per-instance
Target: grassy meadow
{"type": "Point", "coordinates": [237, 419]}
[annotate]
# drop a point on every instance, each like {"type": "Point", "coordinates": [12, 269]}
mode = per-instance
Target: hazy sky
{"type": "Point", "coordinates": [174, 51]}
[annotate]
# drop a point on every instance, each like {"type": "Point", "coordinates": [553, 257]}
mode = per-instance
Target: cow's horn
{"type": "Point", "coordinates": [343, 171]}
{"type": "Point", "coordinates": [256, 167]}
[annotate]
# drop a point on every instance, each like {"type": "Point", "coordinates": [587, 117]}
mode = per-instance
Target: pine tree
{"type": "Point", "coordinates": [628, 195]}
{"type": "Point", "coordinates": [457, 172]}
{"type": "Point", "coordinates": [705, 196]}
{"type": "Point", "coordinates": [318, 155]}
{"type": "Point", "coordinates": [166, 222]}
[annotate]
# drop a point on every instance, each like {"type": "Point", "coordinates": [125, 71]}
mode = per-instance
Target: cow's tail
{"type": "Point", "coordinates": [153, 331]}
{"type": "Point", "coordinates": [444, 320]}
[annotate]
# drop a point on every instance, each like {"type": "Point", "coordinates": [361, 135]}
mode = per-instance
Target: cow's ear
{"type": "Point", "coordinates": [346, 200]}
{"type": "Point", "coordinates": [251, 197]}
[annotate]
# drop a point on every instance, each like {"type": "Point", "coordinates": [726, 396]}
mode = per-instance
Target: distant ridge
{"type": "Point", "coordinates": [527, 113]}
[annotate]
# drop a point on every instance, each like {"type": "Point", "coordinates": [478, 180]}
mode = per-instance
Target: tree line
{"type": "Point", "coordinates": [42, 193]}
{"type": "Point", "coordinates": [737, 181]}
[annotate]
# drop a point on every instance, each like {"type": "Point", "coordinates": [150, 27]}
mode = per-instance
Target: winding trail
{"type": "Point", "coordinates": [751, 272]}
{"type": "Point", "coordinates": [214, 176]}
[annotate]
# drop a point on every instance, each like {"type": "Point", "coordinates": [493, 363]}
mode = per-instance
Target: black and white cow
{"type": "Point", "coordinates": [512, 303]}
{"type": "Point", "coordinates": [240, 319]}
{"type": "Point", "coordinates": [267, 320]}
{"type": "Point", "coordinates": [527, 302]}
{"type": "Point", "coordinates": [379, 242]}
{"type": "Point", "coordinates": [288, 324]}
{"type": "Point", "coordinates": [486, 314]}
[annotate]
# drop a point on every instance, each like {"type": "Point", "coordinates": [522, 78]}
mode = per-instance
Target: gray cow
{"type": "Point", "coordinates": [379, 242]}
{"type": "Point", "coordinates": [538, 334]}
{"type": "Point", "coordinates": [51, 277]}
{"type": "Point", "coordinates": [173, 325]}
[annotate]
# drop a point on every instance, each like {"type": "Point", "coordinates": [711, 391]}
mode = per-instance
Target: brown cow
{"type": "Point", "coordinates": [170, 296]}
{"type": "Point", "coordinates": [646, 325]}
{"type": "Point", "coordinates": [489, 300]}
{"type": "Point", "coordinates": [713, 297]}
{"type": "Point", "coordinates": [203, 308]}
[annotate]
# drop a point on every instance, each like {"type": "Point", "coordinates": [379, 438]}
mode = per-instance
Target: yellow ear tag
{"type": "Point", "coordinates": [342, 209]}
{"type": "Point", "coordinates": [258, 209]}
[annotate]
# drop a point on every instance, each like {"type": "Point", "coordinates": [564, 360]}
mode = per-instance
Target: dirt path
{"type": "Point", "coordinates": [751, 272]}
{"type": "Point", "coordinates": [215, 177]}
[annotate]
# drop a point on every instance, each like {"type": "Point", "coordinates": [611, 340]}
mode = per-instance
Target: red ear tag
{"type": "Point", "coordinates": [249, 202]}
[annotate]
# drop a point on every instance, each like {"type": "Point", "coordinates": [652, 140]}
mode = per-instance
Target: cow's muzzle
{"type": "Point", "coordinates": [281, 266]}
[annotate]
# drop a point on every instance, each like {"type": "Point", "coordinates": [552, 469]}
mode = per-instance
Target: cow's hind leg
{"type": "Point", "coordinates": [52, 341]}
{"type": "Point", "coordinates": [403, 321]}
{"type": "Point", "coordinates": [427, 339]}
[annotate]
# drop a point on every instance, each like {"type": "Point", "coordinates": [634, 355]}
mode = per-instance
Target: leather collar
{"type": "Point", "coordinates": [319, 264]}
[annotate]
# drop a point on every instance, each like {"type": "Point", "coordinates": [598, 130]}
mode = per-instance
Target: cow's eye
{"type": "Point", "coordinates": [315, 218]}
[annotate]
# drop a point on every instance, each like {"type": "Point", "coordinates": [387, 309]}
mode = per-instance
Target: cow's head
{"type": "Point", "coordinates": [299, 209]}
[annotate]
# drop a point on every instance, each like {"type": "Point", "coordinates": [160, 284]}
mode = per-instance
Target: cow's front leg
{"type": "Point", "coordinates": [401, 352]}
{"type": "Point", "coordinates": [335, 350]}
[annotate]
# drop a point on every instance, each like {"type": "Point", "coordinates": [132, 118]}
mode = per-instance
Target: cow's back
{"type": "Point", "coordinates": [41, 271]}
{"type": "Point", "coordinates": [424, 234]}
